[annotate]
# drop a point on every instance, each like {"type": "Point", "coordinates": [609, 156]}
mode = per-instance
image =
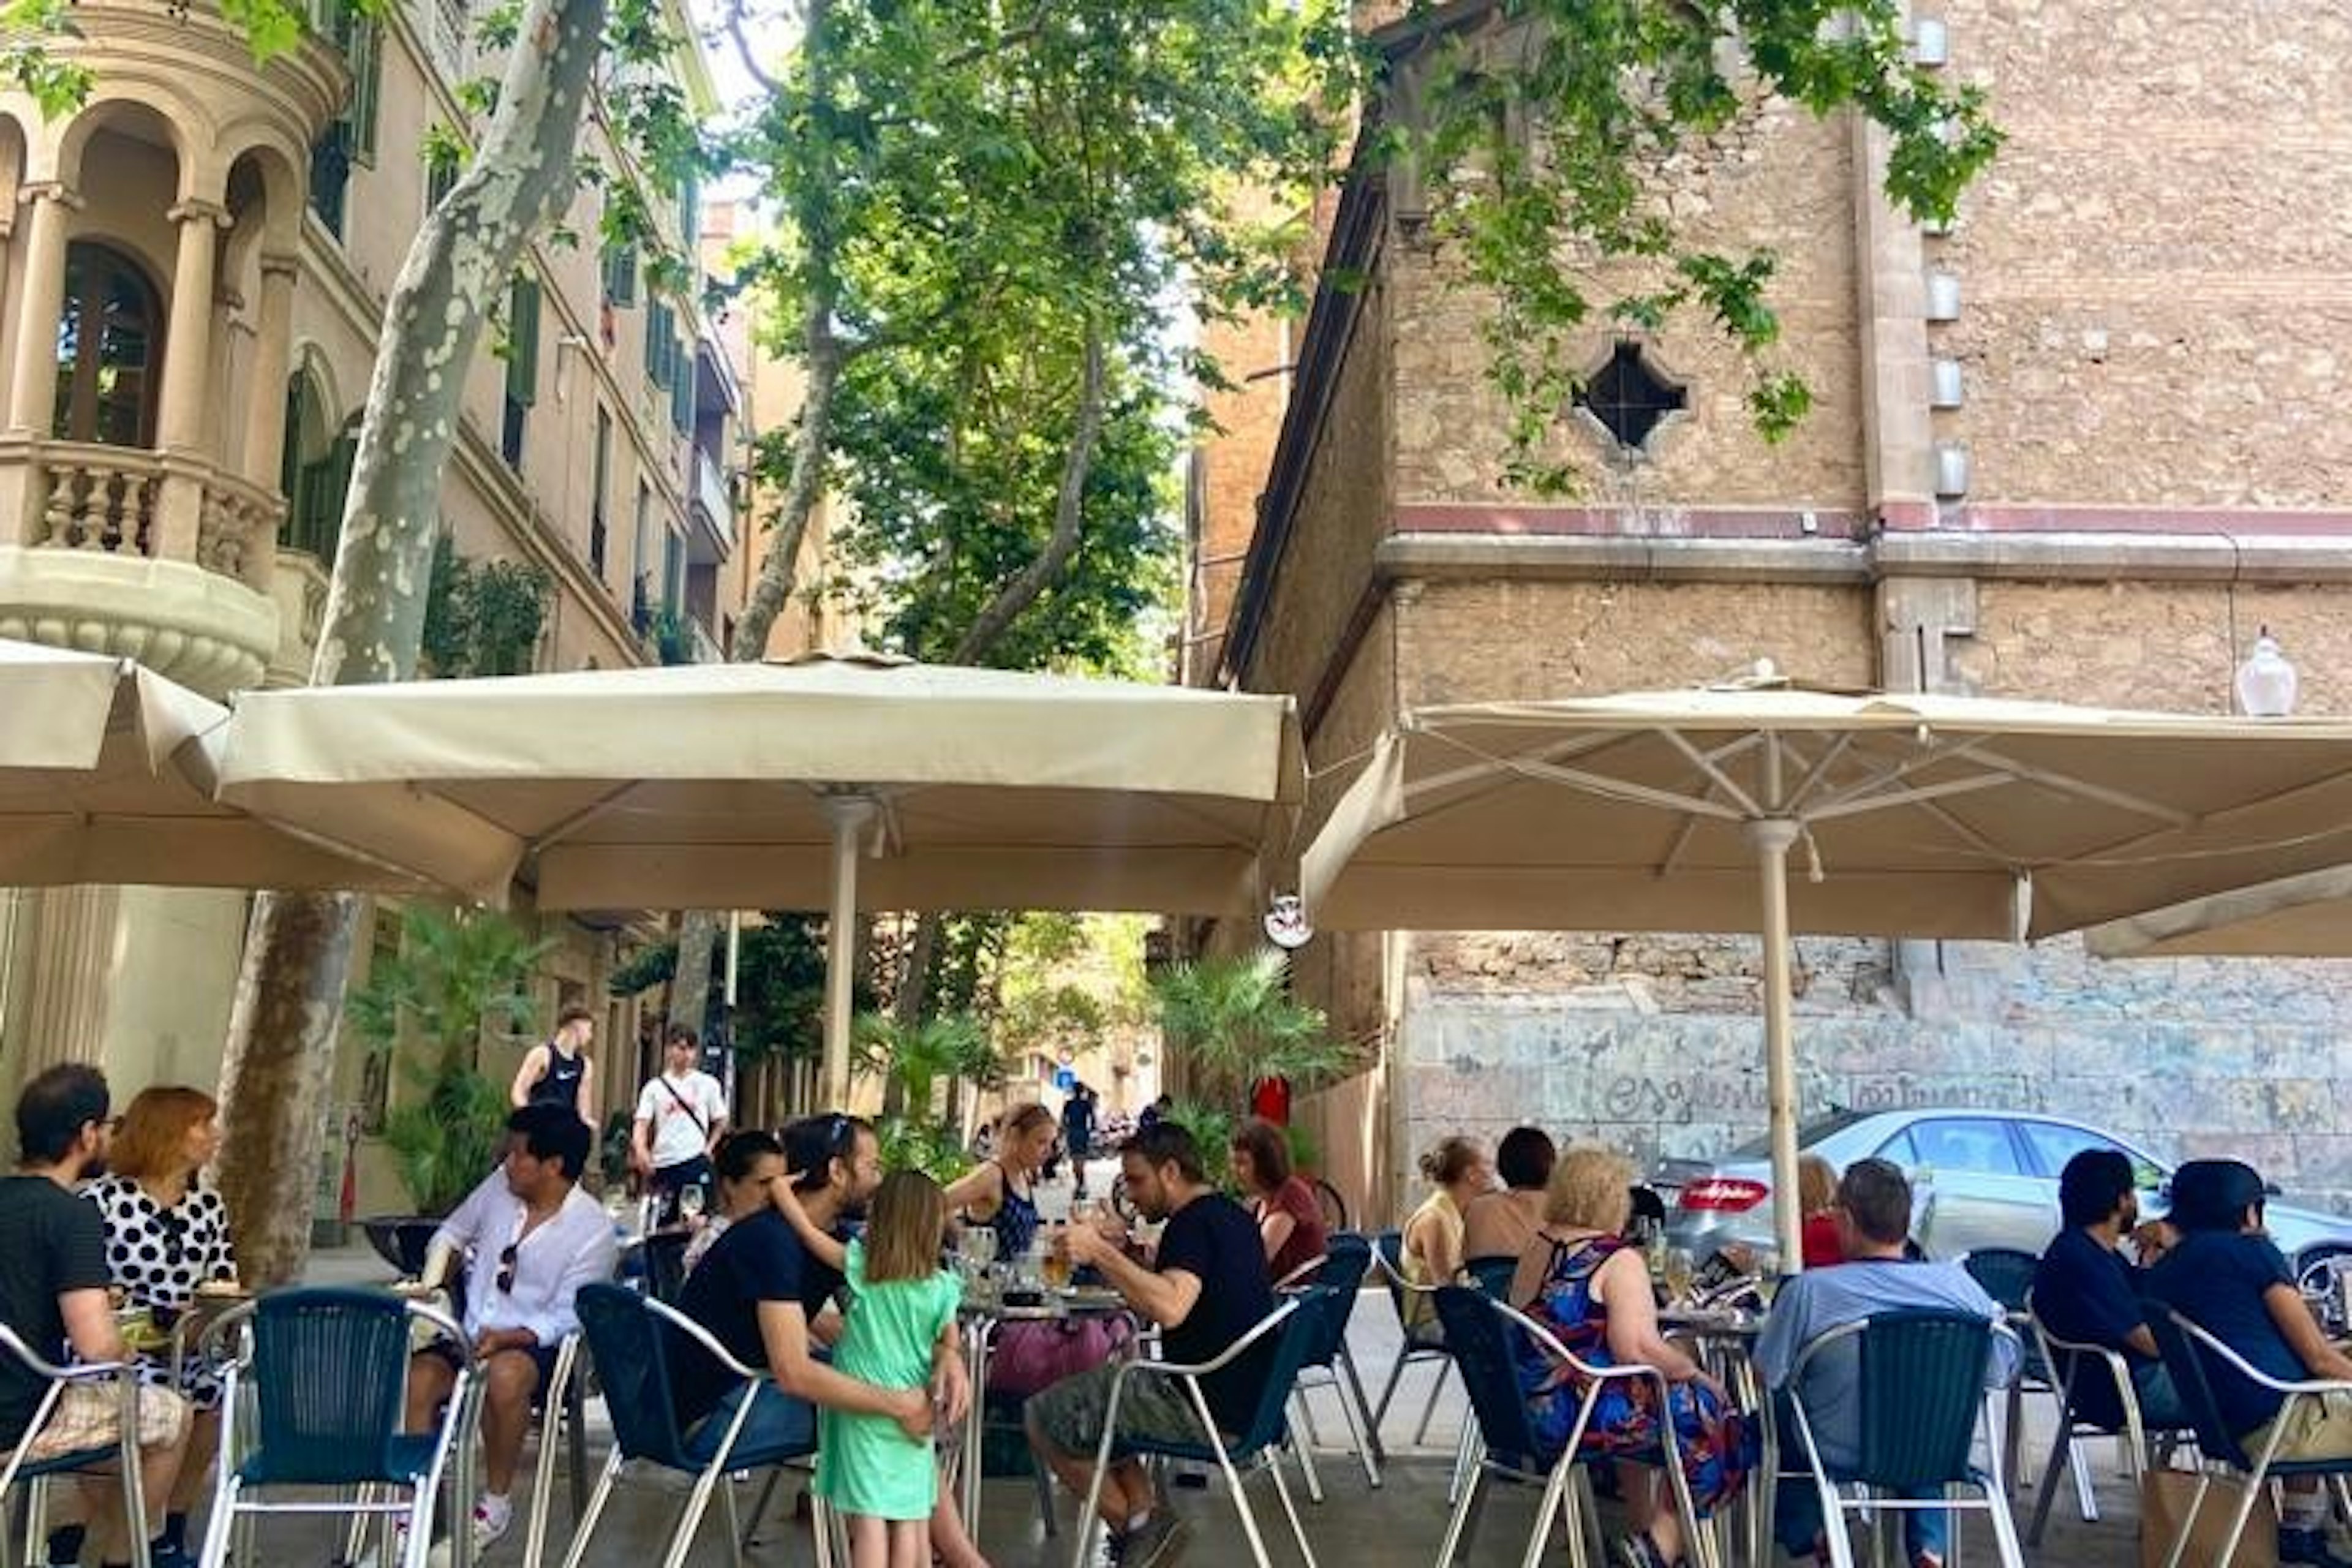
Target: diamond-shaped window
{"type": "Point", "coordinates": [1629, 398]}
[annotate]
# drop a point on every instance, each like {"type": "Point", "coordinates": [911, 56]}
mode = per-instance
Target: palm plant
{"type": "Point", "coordinates": [1235, 1019]}
{"type": "Point", "coordinates": [454, 980]}
{"type": "Point", "coordinates": [913, 1061]}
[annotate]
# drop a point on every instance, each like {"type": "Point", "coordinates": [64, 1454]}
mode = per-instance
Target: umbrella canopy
{"type": "Point", "coordinates": [106, 775]}
{"type": "Point", "coordinates": [2308, 915]}
{"type": "Point", "coordinates": [1923, 816]}
{"type": "Point", "coordinates": [831, 782]}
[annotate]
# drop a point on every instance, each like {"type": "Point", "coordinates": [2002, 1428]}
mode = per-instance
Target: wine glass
{"type": "Point", "coordinates": [1768, 1274]}
{"type": "Point", "coordinates": [689, 1202]}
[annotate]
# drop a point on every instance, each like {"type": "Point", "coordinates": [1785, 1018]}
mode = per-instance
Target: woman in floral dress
{"type": "Point", "coordinates": [1579, 1279]}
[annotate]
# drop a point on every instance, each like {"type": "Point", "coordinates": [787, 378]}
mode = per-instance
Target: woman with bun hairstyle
{"type": "Point", "coordinates": [1457, 1172]}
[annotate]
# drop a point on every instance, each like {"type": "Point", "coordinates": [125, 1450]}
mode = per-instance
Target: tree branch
{"type": "Point", "coordinates": [1069, 513]}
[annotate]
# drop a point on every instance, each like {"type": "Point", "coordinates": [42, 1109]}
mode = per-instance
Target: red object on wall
{"type": "Point", "coordinates": [1271, 1100]}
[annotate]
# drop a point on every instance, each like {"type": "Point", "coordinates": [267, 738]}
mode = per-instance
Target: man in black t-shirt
{"type": "Point", "coordinates": [53, 1284]}
{"type": "Point", "coordinates": [763, 1296]}
{"type": "Point", "coordinates": [1207, 1287]}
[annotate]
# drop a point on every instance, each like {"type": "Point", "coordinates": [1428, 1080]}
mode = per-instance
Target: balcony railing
{"type": "Point", "coordinates": [710, 495]}
{"type": "Point", "coordinates": [105, 499]}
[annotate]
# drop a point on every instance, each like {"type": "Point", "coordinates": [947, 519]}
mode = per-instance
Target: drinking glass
{"type": "Point", "coordinates": [689, 1202]}
{"type": "Point", "coordinates": [1768, 1274]}
{"type": "Point", "coordinates": [1055, 1267]}
{"type": "Point", "coordinates": [1679, 1267]}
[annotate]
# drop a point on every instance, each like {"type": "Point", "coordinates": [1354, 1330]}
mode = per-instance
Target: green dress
{"type": "Point", "coordinates": [867, 1464]}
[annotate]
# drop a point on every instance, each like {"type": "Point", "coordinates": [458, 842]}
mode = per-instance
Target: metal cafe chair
{"type": "Point", "coordinates": [1293, 1326]}
{"type": "Point", "coordinates": [325, 1375]}
{"type": "Point", "coordinates": [1921, 1392]}
{"type": "Point", "coordinates": [20, 1468]}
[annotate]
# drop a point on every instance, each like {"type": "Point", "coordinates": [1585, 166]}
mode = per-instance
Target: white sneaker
{"type": "Point", "coordinates": [493, 1517]}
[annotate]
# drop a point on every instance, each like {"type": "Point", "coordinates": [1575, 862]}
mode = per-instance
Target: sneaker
{"type": "Point", "coordinates": [1638, 1550]}
{"type": "Point", "coordinates": [1158, 1540]}
{"type": "Point", "coordinates": [2308, 1549]}
{"type": "Point", "coordinates": [493, 1517]}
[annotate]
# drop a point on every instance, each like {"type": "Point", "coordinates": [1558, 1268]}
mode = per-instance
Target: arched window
{"type": "Point", "coordinates": [109, 350]}
{"type": "Point", "coordinates": [315, 472]}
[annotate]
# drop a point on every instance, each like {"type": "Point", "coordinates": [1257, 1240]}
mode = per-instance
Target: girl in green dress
{"type": "Point", "coordinates": [901, 1305]}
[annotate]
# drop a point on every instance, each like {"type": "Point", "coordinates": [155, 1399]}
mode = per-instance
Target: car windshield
{"type": "Point", "coordinates": [1811, 1133]}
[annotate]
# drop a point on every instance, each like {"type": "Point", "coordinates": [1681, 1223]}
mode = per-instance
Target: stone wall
{"type": "Point", "coordinates": [1654, 1045]}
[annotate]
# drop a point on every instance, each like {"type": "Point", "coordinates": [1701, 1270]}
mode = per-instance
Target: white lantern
{"type": "Point", "coordinates": [2266, 682]}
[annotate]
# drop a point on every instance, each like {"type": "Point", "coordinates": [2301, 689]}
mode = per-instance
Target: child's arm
{"type": "Point", "coordinates": [827, 1248]}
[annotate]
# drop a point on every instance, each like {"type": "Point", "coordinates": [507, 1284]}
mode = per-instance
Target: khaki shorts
{"type": "Point", "coordinates": [1151, 1410]}
{"type": "Point", "coordinates": [89, 1416]}
{"type": "Point", "coordinates": [2317, 1428]}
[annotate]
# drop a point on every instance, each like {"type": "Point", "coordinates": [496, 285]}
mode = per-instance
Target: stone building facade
{"type": "Point", "coordinates": [2080, 445]}
{"type": "Point", "coordinates": [192, 270]}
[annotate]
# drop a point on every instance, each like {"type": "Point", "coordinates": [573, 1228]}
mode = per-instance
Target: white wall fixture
{"type": "Point", "coordinates": [1945, 375]}
{"type": "Point", "coordinates": [1943, 295]}
{"type": "Point", "coordinates": [1951, 469]}
{"type": "Point", "coordinates": [1931, 41]}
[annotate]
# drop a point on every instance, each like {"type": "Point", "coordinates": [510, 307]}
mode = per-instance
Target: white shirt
{"type": "Point", "coordinates": [573, 1247]}
{"type": "Point", "coordinates": [680, 1134]}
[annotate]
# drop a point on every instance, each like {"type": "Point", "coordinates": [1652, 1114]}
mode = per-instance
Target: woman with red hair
{"type": "Point", "coordinates": [166, 1234]}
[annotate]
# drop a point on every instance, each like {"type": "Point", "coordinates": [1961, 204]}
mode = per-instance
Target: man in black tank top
{"type": "Point", "coordinates": [559, 1073]}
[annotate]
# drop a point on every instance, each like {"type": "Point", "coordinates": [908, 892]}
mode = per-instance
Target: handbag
{"type": "Point", "coordinates": [2164, 1497]}
{"type": "Point", "coordinates": [1030, 1356]}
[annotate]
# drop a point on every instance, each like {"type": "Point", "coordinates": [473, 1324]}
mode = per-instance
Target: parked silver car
{"type": "Point", "coordinates": [1979, 1178]}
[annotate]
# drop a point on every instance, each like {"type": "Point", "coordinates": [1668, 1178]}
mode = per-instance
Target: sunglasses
{"type": "Point", "coordinates": [506, 1267]}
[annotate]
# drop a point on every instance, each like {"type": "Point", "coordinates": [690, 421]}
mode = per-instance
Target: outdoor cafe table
{"type": "Point", "coordinates": [982, 1313]}
{"type": "Point", "coordinates": [1724, 1339]}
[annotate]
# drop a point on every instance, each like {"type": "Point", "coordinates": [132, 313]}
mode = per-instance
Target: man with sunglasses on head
{"type": "Point", "coordinates": [535, 1237]}
{"type": "Point", "coordinates": [770, 1301]}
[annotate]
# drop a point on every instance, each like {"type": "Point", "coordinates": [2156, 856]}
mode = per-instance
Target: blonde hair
{"type": "Point", "coordinates": [1816, 1185]}
{"type": "Point", "coordinates": [904, 1228]}
{"type": "Point", "coordinates": [1591, 1188]}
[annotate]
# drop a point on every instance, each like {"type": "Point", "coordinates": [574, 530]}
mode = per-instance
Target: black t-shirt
{"type": "Point", "coordinates": [51, 1242]}
{"type": "Point", "coordinates": [1213, 1240]}
{"type": "Point", "coordinates": [758, 1259]}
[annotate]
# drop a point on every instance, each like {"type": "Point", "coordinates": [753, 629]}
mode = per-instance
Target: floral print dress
{"type": "Point", "coordinates": [1717, 1445]}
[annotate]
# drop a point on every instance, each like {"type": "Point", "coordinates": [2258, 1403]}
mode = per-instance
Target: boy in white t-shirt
{"type": "Point", "coordinates": [679, 1118]}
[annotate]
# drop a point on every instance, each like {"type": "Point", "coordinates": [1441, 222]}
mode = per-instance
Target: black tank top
{"type": "Point", "coordinates": [559, 1084]}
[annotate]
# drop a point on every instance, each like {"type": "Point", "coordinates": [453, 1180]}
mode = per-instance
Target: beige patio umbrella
{"type": "Point", "coordinates": [2308, 915]}
{"type": "Point", "coordinates": [106, 775]}
{"type": "Point", "coordinates": [835, 783]}
{"type": "Point", "coordinates": [1928, 817]}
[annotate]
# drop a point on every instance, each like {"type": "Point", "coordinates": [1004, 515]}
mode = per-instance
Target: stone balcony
{"type": "Point", "coordinates": [159, 556]}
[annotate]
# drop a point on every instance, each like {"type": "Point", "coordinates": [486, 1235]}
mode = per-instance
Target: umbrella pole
{"type": "Point", "coordinates": [849, 814]}
{"type": "Point", "coordinates": [1773, 837]}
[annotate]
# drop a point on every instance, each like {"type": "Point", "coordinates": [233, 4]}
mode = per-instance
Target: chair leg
{"type": "Point", "coordinates": [734, 1523]}
{"type": "Point", "coordinates": [1363, 1406]}
{"type": "Point", "coordinates": [1465, 1460]}
{"type": "Point", "coordinates": [220, 1527]}
{"type": "Point", "coordinates": [2086, 1497]}
{"type": "Point", "coordinates": [1388, 1389]}
{"type": "Point", "coordinates": [420, 1527]}
{"type": "Point", "coordinates": [1305, 1451]}
{"type": "Point", "coordinates": [594, 1510]}
{"type": "Point", "coordinates": [1297, 1531]}
{"type": "Point", "coordinates": [2189, 1519]}
{"type": "Point", "coordinates": [1356, 1436]}
{"type": "Point", "coordinates": [1306, 1408]}
{"type": "Point", "coordinates": [1045, 1479]}
{"type": "Point", "coordinates": [760, 1508]}
{"type": "Point", "coordinates": [1241, 1503]}
{"type": "Point", "coordinates": [1457, 1521]}
{"type": "Point", "coordinates": [1445, 1370]}
{"type": "Point", "coordinates": [697, 1502]}
{"type": "Point", "coordinates": [2004, 1532]}
{"type": "Point", "coordinates": [2065, 1452]}
{"type": "Point", "coordinates": [1587, 1539]}
{"type": "Point", "coordinates": [1546, 1511]}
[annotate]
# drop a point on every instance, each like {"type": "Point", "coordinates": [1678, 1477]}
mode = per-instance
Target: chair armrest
{"type": "Point", "coordinates": [1263, 1326]}
{"type": "Point", "coordinates": [1303, 1274]}
{"type": "Point", "coordinates": [702, 1337]}
{"type": "Point", "coordinates": [41, 1366]}
{"type": "Point", "coordinates": [2198, 1335]}
{"type": "Point", "coordinates": [1548, 1343]}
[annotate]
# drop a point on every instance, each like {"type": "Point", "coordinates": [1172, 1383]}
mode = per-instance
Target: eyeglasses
{"type": "Point", "coordinates": [506, 1267]}
{"type": "Point", "coordinates": [176, 1231]}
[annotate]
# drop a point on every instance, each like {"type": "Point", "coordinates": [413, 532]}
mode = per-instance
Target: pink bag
{"type": "Point", "coordinates": [1029, 1356]}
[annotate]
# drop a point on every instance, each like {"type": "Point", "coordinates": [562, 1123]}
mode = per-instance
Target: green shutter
{"type": "Point", "coordinates": [364, 55]}
{"type": "Point", "coordinates": [522, 342]}
{"type": "Point", "coordinates": [689, 217]}
{"type": "Point", "coordinates": [440, 179]}
{"type": "Point", "coordinates": [681, 392]}
{"type": "Point", "coordinates": [621, 274]}
{"type": "Point", "coordinates": [657, 342]}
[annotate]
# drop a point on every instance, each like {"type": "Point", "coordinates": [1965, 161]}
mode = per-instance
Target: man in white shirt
{"type": "Point", "coordinates": [535, 1238]}
{"type": "Point", "coordinates": [680, 1117]}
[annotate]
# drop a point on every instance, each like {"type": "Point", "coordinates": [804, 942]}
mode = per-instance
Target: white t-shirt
{"type": "Point", "coordinates": [677, 1137]}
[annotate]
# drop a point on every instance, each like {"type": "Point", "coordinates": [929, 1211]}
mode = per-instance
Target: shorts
{"type": "Point", "coordinates": [778, 1424]}
{"type": "Point", "coordinates": [88, 1415]}
{"type": "Point", "coordinates": [2318, 1428]}
{"type": "Point", "coordinates": [1152, 1410]}
{"type": "Point", "coordinates": [542, 1357]}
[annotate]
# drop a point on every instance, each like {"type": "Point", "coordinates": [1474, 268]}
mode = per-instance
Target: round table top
{"type": "Point", "coordinates": [1075, 1301]}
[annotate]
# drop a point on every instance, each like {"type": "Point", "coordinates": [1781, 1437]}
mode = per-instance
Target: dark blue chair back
{"type": "Point", "coordinates": [2192, 1378]}
{"type": "Point", "coordinates": [631, 1349]}
{"type": "Point", "coordinates": [2005, 1272]}
{"type": "Point", "coordinates": [666, 1265]}
{"type": "Point", "coordinates": [1493, 1275]}
{"type": "Point", "coordinates": [1319, 1306]}
{"type": "Point", "coordinates": [330, 1375]}
{"type": "Point", "coordinates": [1923, 1384]}
{"type": "Point", "coordinates": [1485, 1347]}
{"type": "Point", "coordinates": [1345, 1262]}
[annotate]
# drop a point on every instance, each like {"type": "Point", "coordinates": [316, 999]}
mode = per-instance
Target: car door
{"type": "Point", "coordinates": [1973, 1187]}
{"type": "Point", "coordinates": [2050, 1144]}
